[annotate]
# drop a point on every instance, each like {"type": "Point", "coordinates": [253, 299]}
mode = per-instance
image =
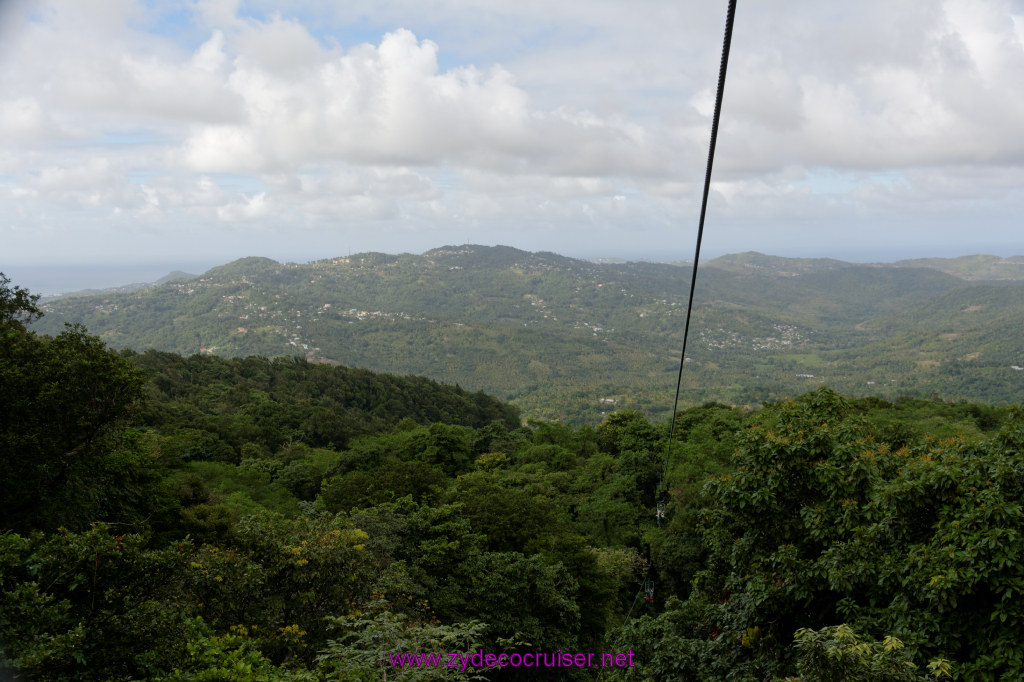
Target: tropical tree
{"type": "Point", "coordinates": [63, 398]}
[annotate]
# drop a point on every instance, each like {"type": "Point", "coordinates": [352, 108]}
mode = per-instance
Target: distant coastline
{"type": "Point", "coordinates": [58, 279]}
{"type": "Point", "coordinates": [53, 280]}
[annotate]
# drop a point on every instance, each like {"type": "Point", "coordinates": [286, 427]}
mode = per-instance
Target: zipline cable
{"type": "Point", "coordinates": [601, 672]}
{"type": "Point", "coordinates": [696, 259]}
{"type": "Point", "coordinates": [700, 229]}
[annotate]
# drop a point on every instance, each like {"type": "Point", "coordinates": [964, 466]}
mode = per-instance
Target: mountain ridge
{"type": "Point", "coordinates": [565, 336]}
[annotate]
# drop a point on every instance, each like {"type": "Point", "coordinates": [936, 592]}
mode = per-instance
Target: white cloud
{"type": "Point", "coordinates": [249, 208]}
{"type": "Point", "coordinates": [392, 104]}
{"type": "Point", "coordinates": [570, 123]}
{"type": "Point", "coordinates": [23, 120]}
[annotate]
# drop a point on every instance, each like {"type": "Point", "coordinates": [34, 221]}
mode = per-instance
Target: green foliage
{"type": "Point", "coordinates": [819, 524]}
{"type": "Point", "coordinates": [246, 490]}
{"type": "Point", "coordinates": [433, 553]}
{"type": "Point", "coordinates": [62, 462]}
{"type": "Point", "coordinates": [626, 429]}
{"type": "Point", "coordinates": [313, 567]}
{"type": "Point", "coordinates": [196, 445]}
{"type": "Point", "coordinates": [521, 596]}
{"type": "Point", "coordinates": [370, 639]}
{"type": "Point", "coordinates": [228, 658]}
{"type": "Point", "coordinates": [270, 404]}
{"type": "Point", "coordinates": [510, 518]}
{"type": "Point", "coordinates": [427, 541]}
{"type": "Point", "coordinates": [17, 306]}
{"type": "Point", "coordinates": [393, 480]}
{"type": "Point", "coordinates": [610, 513]}
{"type": "Point", "coordinates": [838, 654]}
{"type": "Point", "coordinates": [302, 479]}
{"type": "Point", "coordinates": [91, 605]}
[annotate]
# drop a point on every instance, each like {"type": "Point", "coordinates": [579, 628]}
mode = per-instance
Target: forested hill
{"type": "Point", "coordinates": [285, 400]}
{"type": "Point", "coordinates": [559, 336]}
{"type": "Point", "coordinates": [166, 519]}
{"type": "Point", "coordinates": [974, 267]}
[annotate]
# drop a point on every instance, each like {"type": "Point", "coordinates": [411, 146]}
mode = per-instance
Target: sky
{"type": "Point", "coordinates": [140, 136]}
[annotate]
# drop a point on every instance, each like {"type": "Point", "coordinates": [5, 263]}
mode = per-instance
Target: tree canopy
{"type": "Point", "coordinates": [172, 518]}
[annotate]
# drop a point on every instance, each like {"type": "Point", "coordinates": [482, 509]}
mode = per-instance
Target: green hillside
{"type": "Point", "coordinates": [571, 338]}
{"type": "Point", "coordinates": [977, 267]}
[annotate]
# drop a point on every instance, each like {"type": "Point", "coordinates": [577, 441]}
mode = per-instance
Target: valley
{"type": "Point", "coordinates": [565, 339]}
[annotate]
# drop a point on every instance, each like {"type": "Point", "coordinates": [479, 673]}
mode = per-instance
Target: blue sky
{"type": "Point", "coordinates": [144, 134]}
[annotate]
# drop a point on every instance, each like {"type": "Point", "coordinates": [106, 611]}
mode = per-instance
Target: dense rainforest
{"type": "Point", "coordinates": [203, 518]}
